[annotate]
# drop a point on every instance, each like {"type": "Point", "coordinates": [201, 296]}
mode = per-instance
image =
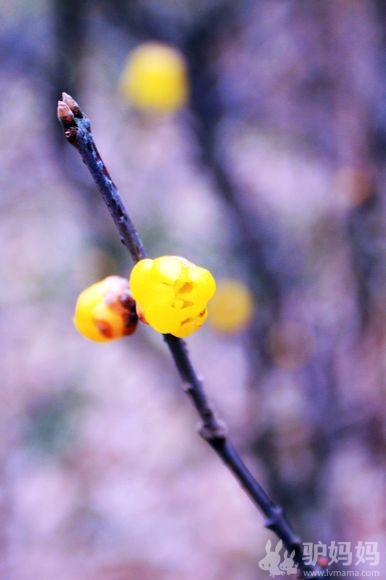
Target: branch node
{"type": "Point", "coordinates": [186, 387]}
{"type": "Point", "coordinates": [276, 516]}
{"type": "Point", "coordinates": [213, 432]}
{"type": "Point", "coordinates": [70, 134]}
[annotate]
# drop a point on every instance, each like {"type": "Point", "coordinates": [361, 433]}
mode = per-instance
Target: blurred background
{"type": "Point", "coordinates": [261, 156]}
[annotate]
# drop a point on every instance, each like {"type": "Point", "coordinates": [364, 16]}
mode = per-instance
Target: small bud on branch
{"type": "Point", "coordinates": [72, 104]}
{"type": "Point", "coordinates": [65, 115]}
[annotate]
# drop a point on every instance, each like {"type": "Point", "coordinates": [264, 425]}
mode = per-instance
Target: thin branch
{"type": "Point", "coordinates": [77, 131]}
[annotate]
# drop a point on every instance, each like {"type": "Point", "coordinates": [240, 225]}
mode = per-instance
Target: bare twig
{"type": "Point", "coordinates": [77, 131]}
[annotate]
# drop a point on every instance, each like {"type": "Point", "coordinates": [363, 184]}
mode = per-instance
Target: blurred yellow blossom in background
{"type": "Point", "coordinates": [172, 294]}
{"type": "Point", "coordinates": [232, 307]}
{"type": "Point", "coordinates": [154, 78]}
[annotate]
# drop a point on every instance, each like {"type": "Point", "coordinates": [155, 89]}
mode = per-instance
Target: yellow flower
{"type": "Point", "coordinates": [155, 78]}
{"type": "Point", "coordinates": [106, 310]}
{"type": "Point", "coordinates": [172, 294]}
{"type": "Point", "coordinates": [232, 307]}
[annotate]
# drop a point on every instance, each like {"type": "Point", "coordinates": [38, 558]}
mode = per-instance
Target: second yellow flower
{"type": "Point", "coordinates": [172, 294]}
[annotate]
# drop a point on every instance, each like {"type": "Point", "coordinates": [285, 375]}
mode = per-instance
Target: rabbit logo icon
{"type": "Point", "coordinates": [271, 562]}
{"type": "Point", "coordinates": [288, 564]}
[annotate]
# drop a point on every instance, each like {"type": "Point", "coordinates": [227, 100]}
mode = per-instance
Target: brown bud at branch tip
{"type": "Point", "coordinates": [65, 115]}
{"type": "Point", "coordinates": [72, 104]}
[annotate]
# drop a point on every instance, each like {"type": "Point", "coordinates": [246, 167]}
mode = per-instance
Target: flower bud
{"type": "Point", "coordinates": [106, 310]}
{"type": "Point", "coordinates": [172, 294]}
